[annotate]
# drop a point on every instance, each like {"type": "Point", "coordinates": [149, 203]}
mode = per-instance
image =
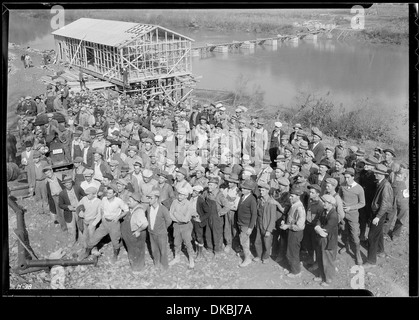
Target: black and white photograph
{"type": "Point", "coordinates": [210, 148]}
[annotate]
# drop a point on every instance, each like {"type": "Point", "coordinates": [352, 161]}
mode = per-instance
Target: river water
{"type": "Point", "coordinates": [349, 72]}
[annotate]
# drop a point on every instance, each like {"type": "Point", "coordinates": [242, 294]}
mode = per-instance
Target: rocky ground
{"type": "Point", "coordinates": [390, 278]}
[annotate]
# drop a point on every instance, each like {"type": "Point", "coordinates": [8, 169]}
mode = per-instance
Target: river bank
{"type": "Point", "coordinates": [384, 23]}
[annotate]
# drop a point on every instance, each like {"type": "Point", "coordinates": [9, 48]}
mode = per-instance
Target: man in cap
{"type": "Point", "coordinates": [320, 177]}
{"type": "Point", "coordinates": [146, 151]}
{"type": "Point", "coordinates": [276, 136]}
{"type": "Point", "coordinates": [367, 181]}
{"type": "Point", "coordinates": [338, 172]}
{"type": "Point", "coordinates": [353, 197]}
{"type": "Point", "coordinates": [232, 195]}
{"type": "Point", "coordinates": [295, 224]}
{"type": "Point", "coordinates": [313, 213]}
{"type": "Point", "coordinates": [107, 180]}
{"type": "Point", "coordinates": [392, 166]}
{"type": "Point", "coordinates": [181, 181]}
{"type": "Point", "coordinates": [132, 157]}
{"type": "Point", "coordinates": [116, 152]}
{"type": "Point", "coordinates": [280, 172]}
{"type": "Point", "coordinates": [260, 138]}
{"type": "Point", "coordinates": [214, 231]}
{"type": "Point", "coordinates": [123, 193]}
{"type": "Point", "coordinates": [246, 219]}
{"type": "Point", "coordinates": [351, 158]}
{"type": "Point", "coordinates": [265, 223]}
{"type": "Point", "coordinates": [331, 186]}
{"type": "Point", "coordinates": [77, 146]}
{"type": "Point", "coordinates": [111, 129]}
{"type": "Point", "coordinates": [329, 156]}
{"type": "Point", "coordinates": [293, 136]}
{"type": "Point", "coordinates": [68, 201]}
{"type": "Point", "coordinates": [288, 157]}
{"type": "Point", "coordinates": [133, 231]}
{"type": "Point", "coordinates": [112, 209]}
{"type": "Point", "coordinates": [148, 183]}
{"type": "Point", "coordinates": [199, 178]}
{"type": "Point", "coordinates": [308, 164]}
{"type": "Point", "coordinates": [99, 142]}
{"type": "Point", "coordinates": [132, 181]}
{"type": "Point", "coordinates": [54, 187]}
{"type": "Point", "coordinates": [28, 164]}
{"type": "Point", "coordinates": [89, 215]}
{"type": "Point", "coordinates": [114, 169]}
{"type": "Point", "coordinates": [88, 180]}
{"type": "Point", "coordinates": [378, 154]}
{"type": "Point", "coordinates": [341, 151]}
{"type": "Point", "coordinates": [327, 229]}
{"type": "Point", "coordinates": [165, 189]}
{"type": "Point", "coordinates": [181, 213]}
{"type": "Point", "coordinates": [382, 207]}
{"type": "Point", "coordinates": [294, 172]}
{"type": "Point", "coordinates": [266, 171]}
{"type": "Point", "coordinates": [159, 220]}
{"type": "Point", "coordinates": [316, 145]}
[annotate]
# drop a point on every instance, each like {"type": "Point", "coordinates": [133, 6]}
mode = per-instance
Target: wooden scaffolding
{"type": "Point", "coordinates": [139, 58]}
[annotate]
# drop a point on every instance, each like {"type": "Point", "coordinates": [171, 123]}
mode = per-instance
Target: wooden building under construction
{"type": "Point", "coordinates": [143, 58]}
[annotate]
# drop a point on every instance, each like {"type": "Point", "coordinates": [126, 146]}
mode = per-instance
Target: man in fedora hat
{"type": "Point", "coordinates": [265, 223]}
{"type": "Point", "coordinates": [159, 220]}
{"type": "Point", "coordinates": [353, 197]}
{"type": "Point", "coordinates": [246, 219]}
{"type": "Point", "coordinates": [68, 201]}
{"type": "Point", "coordinates": [294, 225]}
{"type": "Point", "coordinates": [316, 145]}
{"type": "Point", "coordinates": [276, 136]}
{"type": "Point", "coordinates": [133, 230]}
{"type": "Point", "coordinates": [54, 187]}
{"type": "Point", "coordinates": [382, 207]}
{"type": "Point", "coordinates": [181, 214]}
{"type": "Point", "coordinates": [327, 229]}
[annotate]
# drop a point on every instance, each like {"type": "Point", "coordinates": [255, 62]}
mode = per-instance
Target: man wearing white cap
{"type": "Point", "coordinates": [181, 213]}
{"type": "Point", "coordinates": [181, 181]}
{"type": "Point", "coordinates": [276, 136]}
{"type": "Point", "coordinates": [148, 183]}
{"type": "Point", "coordinates": [88, 212]}
{"type": "Point", "coordinates": [89, 181]}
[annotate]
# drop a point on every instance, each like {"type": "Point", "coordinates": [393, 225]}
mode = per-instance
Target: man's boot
{"type": "Point", "coordinates": [85, 254]}
{"type": "Point", "coordinates": [198, 251]}
{"type": "Point", "coordinates": [358, 255]}
{"type": "Point", "coordinates": [115, 255]}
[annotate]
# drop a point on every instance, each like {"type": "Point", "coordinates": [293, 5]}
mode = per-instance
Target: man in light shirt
{"type": "Point", "coordinates": [181, 213]}
{"type": "Point", "coordinates": [88, 212]}
{"type": "Point", "coordinates": [112, 209]}
{"type": "Point", "coordinates": [133, 231]}
{"type": "Point", "coordinates": [159, 220]}
{"type": "Point", "coordinates": [89, 181]}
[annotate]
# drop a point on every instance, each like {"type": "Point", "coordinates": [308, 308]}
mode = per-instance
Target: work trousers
{"type": "Point", "coordinates": [158, 244]}
{"type": "Point", "coordinates": [87, 233]}
{"type": "Point", "coordinates": [41, 194]}
{"type": "Point", "coordinates": [310, 241]}
{"type": "Point", "coordinates": [364, 219]}
{"type": "Point", "coordinates": [70, 220]}
{"type": "Point", "coordinates": [198, 232]}
{"type": "Point", "coordinates": [351, 228]}
{"type": "Point", "coordinates": [326, 260]}
{"type": "Point", "coordinates": [113, 228]}
{"type": "Point", "coordinates": [245, 241]}
{"type": "Point", "coordinates": [263, 244]}
{"type": "Point", "coordinates": [214, 233]}
{"type": "Point", "coordinates": [183, 233]}
{"type": "Point", "coordinates": [375, 241]}
{"type": "Point", "coordinates": [230, 228]}
{"type": "Point", "coordinates": [59, 214]}
{"type": "Point", "coordinates": [402, 211]}
{"type": "Point", "coordinates": [293, 250]}
{"type": "Point", "coordinates": [135, 245]}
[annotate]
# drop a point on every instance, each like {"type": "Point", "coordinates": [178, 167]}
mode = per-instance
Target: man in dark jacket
{"type": "Point", "coordinates": [316, 145]}
{"type": "Point", "coordinates": [382, 206]}
{"type": "Point", "coordinates": [327, 229]}
{"type": "Point", "coordinates": [276, 137]}
{"type": "Point", "coordinates": [54, 187]}
{"type": "Point", "coordinates": [246, 219]}
{"type": "Point", "coordinates": [68, 201]}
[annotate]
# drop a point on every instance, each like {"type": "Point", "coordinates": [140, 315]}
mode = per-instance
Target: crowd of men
{"type": "Point", "coordinates": [212, 181]}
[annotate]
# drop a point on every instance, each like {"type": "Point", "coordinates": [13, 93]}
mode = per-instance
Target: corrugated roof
{"type": "Point", "coordinates": [107, 32]}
